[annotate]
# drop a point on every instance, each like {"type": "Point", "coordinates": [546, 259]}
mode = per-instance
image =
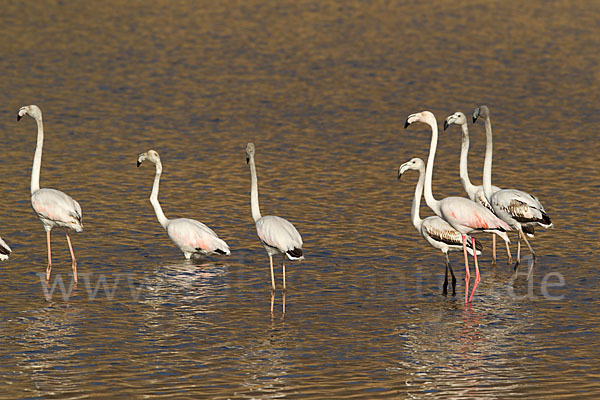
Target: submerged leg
{"type": "Point", "coordinates": [477, 277]}
{"type": "Point", "coordinates": [272, 274]}
{"type": "Point", "coordinates": [49, 267]}
{"type": "Point", "coordinates": [74, 265]}
{"type": "Point", "coordinates": [467, 274]}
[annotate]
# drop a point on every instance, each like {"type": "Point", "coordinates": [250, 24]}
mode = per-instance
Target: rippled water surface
{"type": "Point", "coordinates": [323, 89]}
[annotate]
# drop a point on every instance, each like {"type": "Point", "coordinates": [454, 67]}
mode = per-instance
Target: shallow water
{"type": "Point", "coordinates": [323, 89]}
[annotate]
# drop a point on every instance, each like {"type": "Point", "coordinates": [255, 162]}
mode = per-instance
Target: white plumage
{"type": "Point", "coordinates": [519, 209]}
{"type": "Point", "coordinates": [474, 192]}
{"type": "Point", "coordinates": [437, 232]}
{"type": "Point", "coordinates": [4, 250]}
{"type": "Point", "coordinates": [462, 214]}
{"type": "Point", "coordinates": [192, 237]}
{"type": "Point", "coordinates": [277, 234]}
{"type": "Point", "coordinates": [53, 207]}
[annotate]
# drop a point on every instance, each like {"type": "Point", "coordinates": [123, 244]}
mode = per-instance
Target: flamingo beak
{"type": "Point", "coordinates": [247, 159]}
{"type": "Point", "coordinates": [139, 163]}
{"type": "Point", "coordinates": [475, 114]}
{"type": "Point", "coordinates": [19, 117]}
{"type": "Point", "coordinates": [406, 124]}
{"type": "Point", "coordinates": [446, 124]}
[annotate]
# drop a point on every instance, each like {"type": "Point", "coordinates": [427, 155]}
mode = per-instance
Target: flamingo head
{"type": "Point", "coordinates": [150, 155]}
{"type": "Point", "coordinates": [32, 110]}
{"type": "Point", "coordinates": [249, 152]}
{"type": "Point", "coordinates": [415, 164]}
{"type": "Point", "coordinates": [482, 111]}
{"type": "Point", "coordinates": [457, 118]}
{"type": "Point", "coordinates": [424, 116]}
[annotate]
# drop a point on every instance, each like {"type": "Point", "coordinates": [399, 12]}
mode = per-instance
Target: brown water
{"type": "Point", "coordinates": [323, 89]}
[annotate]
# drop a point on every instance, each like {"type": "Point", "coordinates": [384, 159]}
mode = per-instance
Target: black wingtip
{"type": "Point", "coordinates": [219, 251]}
{"type": "Point", "coordinates": [295, 253]}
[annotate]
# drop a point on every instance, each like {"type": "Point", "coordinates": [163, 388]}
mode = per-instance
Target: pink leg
{"type": "Point", "coordinates": [510, 260]}
{"type": "Point", "coordinates": [477, 277]}
{"type": "Point", "coordinates": [467, 274]}
{"type": "Point", "coordinates": [493, 249]}
{"type": "Point", "coordinates": [49, 268]}
{"type": "Point", "coordinates": [72, 257]}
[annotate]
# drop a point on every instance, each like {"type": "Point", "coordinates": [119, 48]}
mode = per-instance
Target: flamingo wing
{"type": "Point", "coordinates": [441, 231]}
{"type": "Point", "coordinates": [58, 207]}
{"type": "Point", "coordinates": [279, 233]}
{"type": "Point", "coordinates": [521, 206]}
{"type": "Point", "coordinates": [193, 236]}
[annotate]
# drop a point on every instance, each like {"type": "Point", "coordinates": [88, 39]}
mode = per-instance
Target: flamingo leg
{"type": "Point", "coordinates": [510, 260]}
{"type": "Point", "coordinates": [493, 249]}
{"type": "Point", "coordinates": [467, 274]}
{"type": "Point", "coordinates": [74, 265]}
{"type": "Point", "coordinates": [272, 274]}
{"type": "Point", "coordinates": [521, 234]}
{"type": "Point", "coordinates": [283, 303]}
{"type": "Point", "coordinates": [283, 265]}
{"type": "Point", "coordinates": [453, 280]}
{"type": "Point", "coordinates": [477, 277]}
{"type": "Point", "coordinates": [445, 287]}
{"type": "Point", "coordinates": [49, 268]}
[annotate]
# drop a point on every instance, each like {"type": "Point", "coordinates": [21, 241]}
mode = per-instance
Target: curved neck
{"type": "Point", "coordinates": [416, 204]}
{"type": "Point", "coordinates": [464, 169]}
{"type": "Point", "coordinates": [254, 191]}
{"type": "Point", "coordinates": [487, 165]}
{"type": "Point", "coordinates": [37, 158]}
{"type": "Point", "coordinates": [429, 199]}
{"type": "Point", "coordinates": [154, 197]}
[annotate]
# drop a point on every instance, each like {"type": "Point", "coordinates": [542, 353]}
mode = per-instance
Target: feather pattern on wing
{"type": "Point", "coordinates": [441, 231]}
{"type": "Point", "coordinates": [521, 206]}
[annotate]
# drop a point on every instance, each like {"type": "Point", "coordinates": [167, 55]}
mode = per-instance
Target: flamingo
{"type": "Point", "coordinates": [53, 207]}
{"type": "Point", "coordinates": [277, 234]}
{"type": "Point", "coordinates": [475, 193]}
{"type": "Point", "coordinates": [192, 237]}
{"type": "Point", "coordinates": [462, 214]}
{"type": "Point", "coordinates": [521, 210]}
{"type": "Point", "coordinates": [438, 233]}
{"type": "Point", "coordinates": [4, 250]}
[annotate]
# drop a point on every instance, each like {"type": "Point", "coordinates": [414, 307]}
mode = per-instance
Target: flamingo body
{"type": "Point", "coordinates": [57, 209]}
{"type": "Point", "coordinates": [53, 207]}
{"type": "Point", "coordinates": [521, 210]}
{"type": "Point", "coordinates": [278, 235]}
{"type": "Point", "coordinates": [192, 237]}
{"type": "Point", "coordinates": [195, 238]}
